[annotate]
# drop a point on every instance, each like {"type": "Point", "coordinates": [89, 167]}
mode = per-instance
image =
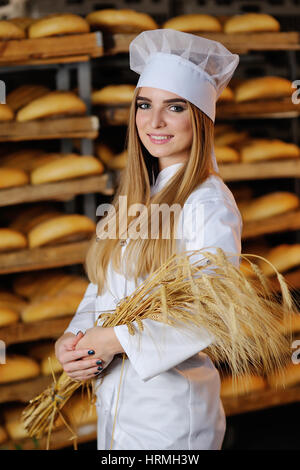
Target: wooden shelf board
{"type": "Point", "coordinates": [56, 190]}
{"type": "Point", "coordinates": [28, 51]}
{"type": "Point", "coordinates": [239, 43]}
{"type": "Point", "coordinates": [21, 332]}
{"type": "Point", "coordinates": [260, 400]}
{"type": "Point", "coordinates": [289, 168]}
{"type": "Point", "coordinates": [24, 390]}
{"type": "Point", "coordinates": [278, 108]}
{"type": "Point", "coordinates": [58, 128]}
{"type": "Point", "coordinates": [278, 223]}
{"type": "Point", "coordinates": [43, 257]}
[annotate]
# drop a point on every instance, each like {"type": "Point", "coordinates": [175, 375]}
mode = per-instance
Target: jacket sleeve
{"type": "Point", "coordinates": [160, 347]}
{"type": "Point", "coordinates": [84, 317]}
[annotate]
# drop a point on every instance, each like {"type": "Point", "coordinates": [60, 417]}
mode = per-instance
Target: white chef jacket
{"type": "Point", "coordinates": [169, 398]}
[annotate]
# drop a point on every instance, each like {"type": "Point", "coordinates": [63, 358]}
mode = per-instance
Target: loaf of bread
{"type": "Point", "coordinates": [242, 385]}
{"type": "Point", "coordinates": [263, 88]}
{"type": "Point", "coordinates": [9, 30]}
{"type": "Point", "coordinates": [23, 159]}
{"type": "Point", "coordinates": [231, 138]}
{"type": "Point", "coordinates": [112, 161]}
{"type": "Point", "coordinates": [268, 149]}
{"type": "Point", "coordinates": [225, 154]}
{"type": "Point", "coordinates": [13, 423]}
{"type": "Point", "coordinates": [40, 284]}
{"type": "Point", "coordinates": [10, 177]}
{"type": "Point", "coordinates": [194, 23]}
{"type": "Point", "coordinates": [23, 22]}
{"type": "Point", "coordinates": [67, 167]}
{"type": "Point", "coordinates": [6, 113]}
{"type": "Point", "coordinates": [288, 377]}
{"type": "Point", "coordinates": [8, 316]}
{"type": "Point", "coordinates": [269, 205]}
{"type": "Point", "coordinates": [11, 240]}
{"type": "Point", "coordinates": [3, 435]}
{"type": "Point", "coordinates": [284, 257]}
{"type": "Point", "coordinates": [24, 94]}
{"type": "Point", "coordinates": [12, 301]}
{"type": "Point", "coordinates": [45, 354]}
{"type": "Point", "coordinates": [59, 305]}
{"type": "Point", "coordinates": [58, 24]}
{"type": "Point", "coordinates": [18, 368]}
{"type": "Point", "coordinates": [251, 22]}
{"type": "Point", "coordinates": [113, 94]}
{"type": "Point", "coordinates": [29, 219]}
{"type": "Point", "coordinates": [226, 95]}
{"type": "Point", "coordinates": [56, 103]}
{"type": "Point", "coordinates": [121, 21]}
{"type": "Point", "coordinates": [61, 229]}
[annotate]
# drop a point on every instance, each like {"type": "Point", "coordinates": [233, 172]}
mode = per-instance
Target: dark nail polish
{"type": "Point", "coordinates": [78, 332]}
{"type": "Point", "coordinates": [100, 368]}
{"type": "Point", "coordinates": [99, 363]}
{"type": "Point", "coordinates": [96, 373]}
{"type": "Point", "coordinates": [90, 352]}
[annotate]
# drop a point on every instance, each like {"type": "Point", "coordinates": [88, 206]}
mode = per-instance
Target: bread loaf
{"type": "Point", "coordinates": [251, 22]}
{"type": "Point", "coordinates": [268, 149]}
{"type": "Point", "coordinates": [18, 368]}
{"type": "Point", "coordinates": [24, 223]}
{"type": "Point", "coordinates": [283, 257]}
{"type": "Point", "coordinates": [269, 205]}
{"type": "Point", "coordinates": [10, 177]}
{"type": "Point", "coordinates": [288, 377]}
{"type": "Point", "coordinates": [226, 154]}
{"type": "Point", "coordinates": [9, 30]}
{"type": "Point", "coordinates": [113, 94]}
{"type": "Point", "coordinates": [6, 113]}
{"type": "Point", "coordinates": [263, 88]}
{"type": "Point", "coordinates": [58, 24]}
{"type": "Point", "coordinates": [45, 354]}
{"type": "Point", "coordinates": [11, 240]}
{"type": "Point", "coordinates": [194, 23]}
{"type": "Point", "coordinates": [8, 316]}
{"type": "Point", "coordinates": [121, 21]}
{"type": "Point", "coordinates": [242, 385]}
{"type": "Point", "coordinates": [55, 230]}
{"type": "Point", "coordinates": [56, 103]}
{"type": "Point", "coordinates": [231, 138]}
{"type": "Point", "coordinates": [79, 411]}
{"type": "Point", "coordinates": [22, 22]}
{"type": "Point", "coordinates": [13, 423]}
{"type": "Point", "coordinates": [68, 166]}
{"type": "Point", "coordinates": [11, 300]}
{"type": "Point", "coordinates": [23, 159]}
{"type": "Point", "coordinates": [226, 95]}
{"type": "Point", "coordinates": [24, 94]}
{"type": "Point", "coordinates": [112, 161]}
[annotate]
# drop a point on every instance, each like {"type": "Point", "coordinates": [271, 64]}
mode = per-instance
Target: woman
{"type": "Point", "coordinates": [169, 397]}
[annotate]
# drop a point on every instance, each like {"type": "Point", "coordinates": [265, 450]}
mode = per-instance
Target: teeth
{"type": "Point", "coordinates": [160, 137]}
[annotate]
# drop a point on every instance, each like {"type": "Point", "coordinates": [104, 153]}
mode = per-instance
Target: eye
{"type": "Point", "coordinates": [143, 105]}
{"type": "Point", "coordinates": [176, 108]}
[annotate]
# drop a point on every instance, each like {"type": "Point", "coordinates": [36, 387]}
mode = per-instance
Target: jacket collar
{"type": "Point", "coordinates": [163, 177]}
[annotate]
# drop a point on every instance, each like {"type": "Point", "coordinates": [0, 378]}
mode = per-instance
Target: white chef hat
{"type": "Point", "coordinates": [193, 67]}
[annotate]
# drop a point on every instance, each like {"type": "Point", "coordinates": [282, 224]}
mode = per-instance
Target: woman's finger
{"type": "Point", "coordinates": [79, 366]}
{"type": "Point", "coordinates": [70, 356]}
{"type": "Point", "coordinates": [85, 374]}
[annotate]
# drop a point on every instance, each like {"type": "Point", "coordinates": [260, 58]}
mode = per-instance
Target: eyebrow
{"type": "Point", "coordinates": [173, 100]}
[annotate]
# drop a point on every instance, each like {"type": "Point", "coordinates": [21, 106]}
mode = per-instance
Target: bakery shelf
{"type": "Point", "coordinates": [43, 257]}
{"type": "Point", "coordinates": [44, 329]}
{"type": "Point", "coordinates": [274, 224]}
{"type": "Point", "coordinates": [289, 168]}
{"type": "Point", "coordinates": [55, 190]}
{"type": "Point", "coordinates": [25, 390]}
{"type": "Point", "coordinates": [237, 43]}
{"type": "Point", "coordinates": [60, 438]}
{"type": "Point", "coordinates": [263, 109]}
{"type": "Point", "coordinates": [58, 128]}
{"type": "Point", "coordinates": [75, 48]}
{"type": "Point", "coordinates": [260, 400]}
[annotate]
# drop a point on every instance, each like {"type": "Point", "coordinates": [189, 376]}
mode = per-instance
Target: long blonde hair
{"type": "Point", "coordinates": [142, 256]}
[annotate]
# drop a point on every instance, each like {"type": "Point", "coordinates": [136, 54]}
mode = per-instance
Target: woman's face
{"type": "Point", "coordinates": [164, 125]}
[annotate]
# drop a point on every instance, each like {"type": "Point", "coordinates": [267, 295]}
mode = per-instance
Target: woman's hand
{"type": "Point", "coordinates": [103, 341]}
{"type": "Point", "coordinates": [79, 363]}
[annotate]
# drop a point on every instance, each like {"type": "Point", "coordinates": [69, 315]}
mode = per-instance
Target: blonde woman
{"type": "Point", "coordinates": [170, 392]}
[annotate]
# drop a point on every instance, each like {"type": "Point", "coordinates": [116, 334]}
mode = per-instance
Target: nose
{"type": "Point", "coordinates": [157, 119]}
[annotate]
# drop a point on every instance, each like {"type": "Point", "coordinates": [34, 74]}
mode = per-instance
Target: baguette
{"type": "Point", "coordinates": [58, 24]}
{"type": "Point", "coordinates": [112, 161]}
{"type": "Point", "coordinates": [113, 94]}
{"type": "Point", "coordinates": [225, 154]}
{"type": "Point", "coordinates": [9, 30]}
{"type": "Point", "coordinates": [11, 240]}
{"type": "Point", "coordinates": [67, 167]}
{"type": "Point", "coordinates": [264, 149]}
{"type": "Point", "coordinates": [251, 22]}
{"type": "Point", "coordinates": [56, 103]}
{"type": "Point", "coordinates": [10, 177]}
{"type": "Point", "coordinates": [121, 21]}
{"type": "Point", "coordinates": [58, 306]}
{"type": "Point", "coordinates": [18, 368]}
{"type": "Point", "coordinates": [61, 229]}
{"type": "Point", "coordinates": [24, 94]}
{"type": "Point", "coordinates": [269, 205]}
{"type": "Point", "coordinates": [8, 316]}
{"type": "Point", "coordinates": [263, 88]}
{"type": "Point", "coordinates": [194, 23]}
{"type": "Point", "coordinates": [6, 113]}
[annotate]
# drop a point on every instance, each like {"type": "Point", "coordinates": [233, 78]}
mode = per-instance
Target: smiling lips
{"type": "Point", "coordinates": [159, 138]}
